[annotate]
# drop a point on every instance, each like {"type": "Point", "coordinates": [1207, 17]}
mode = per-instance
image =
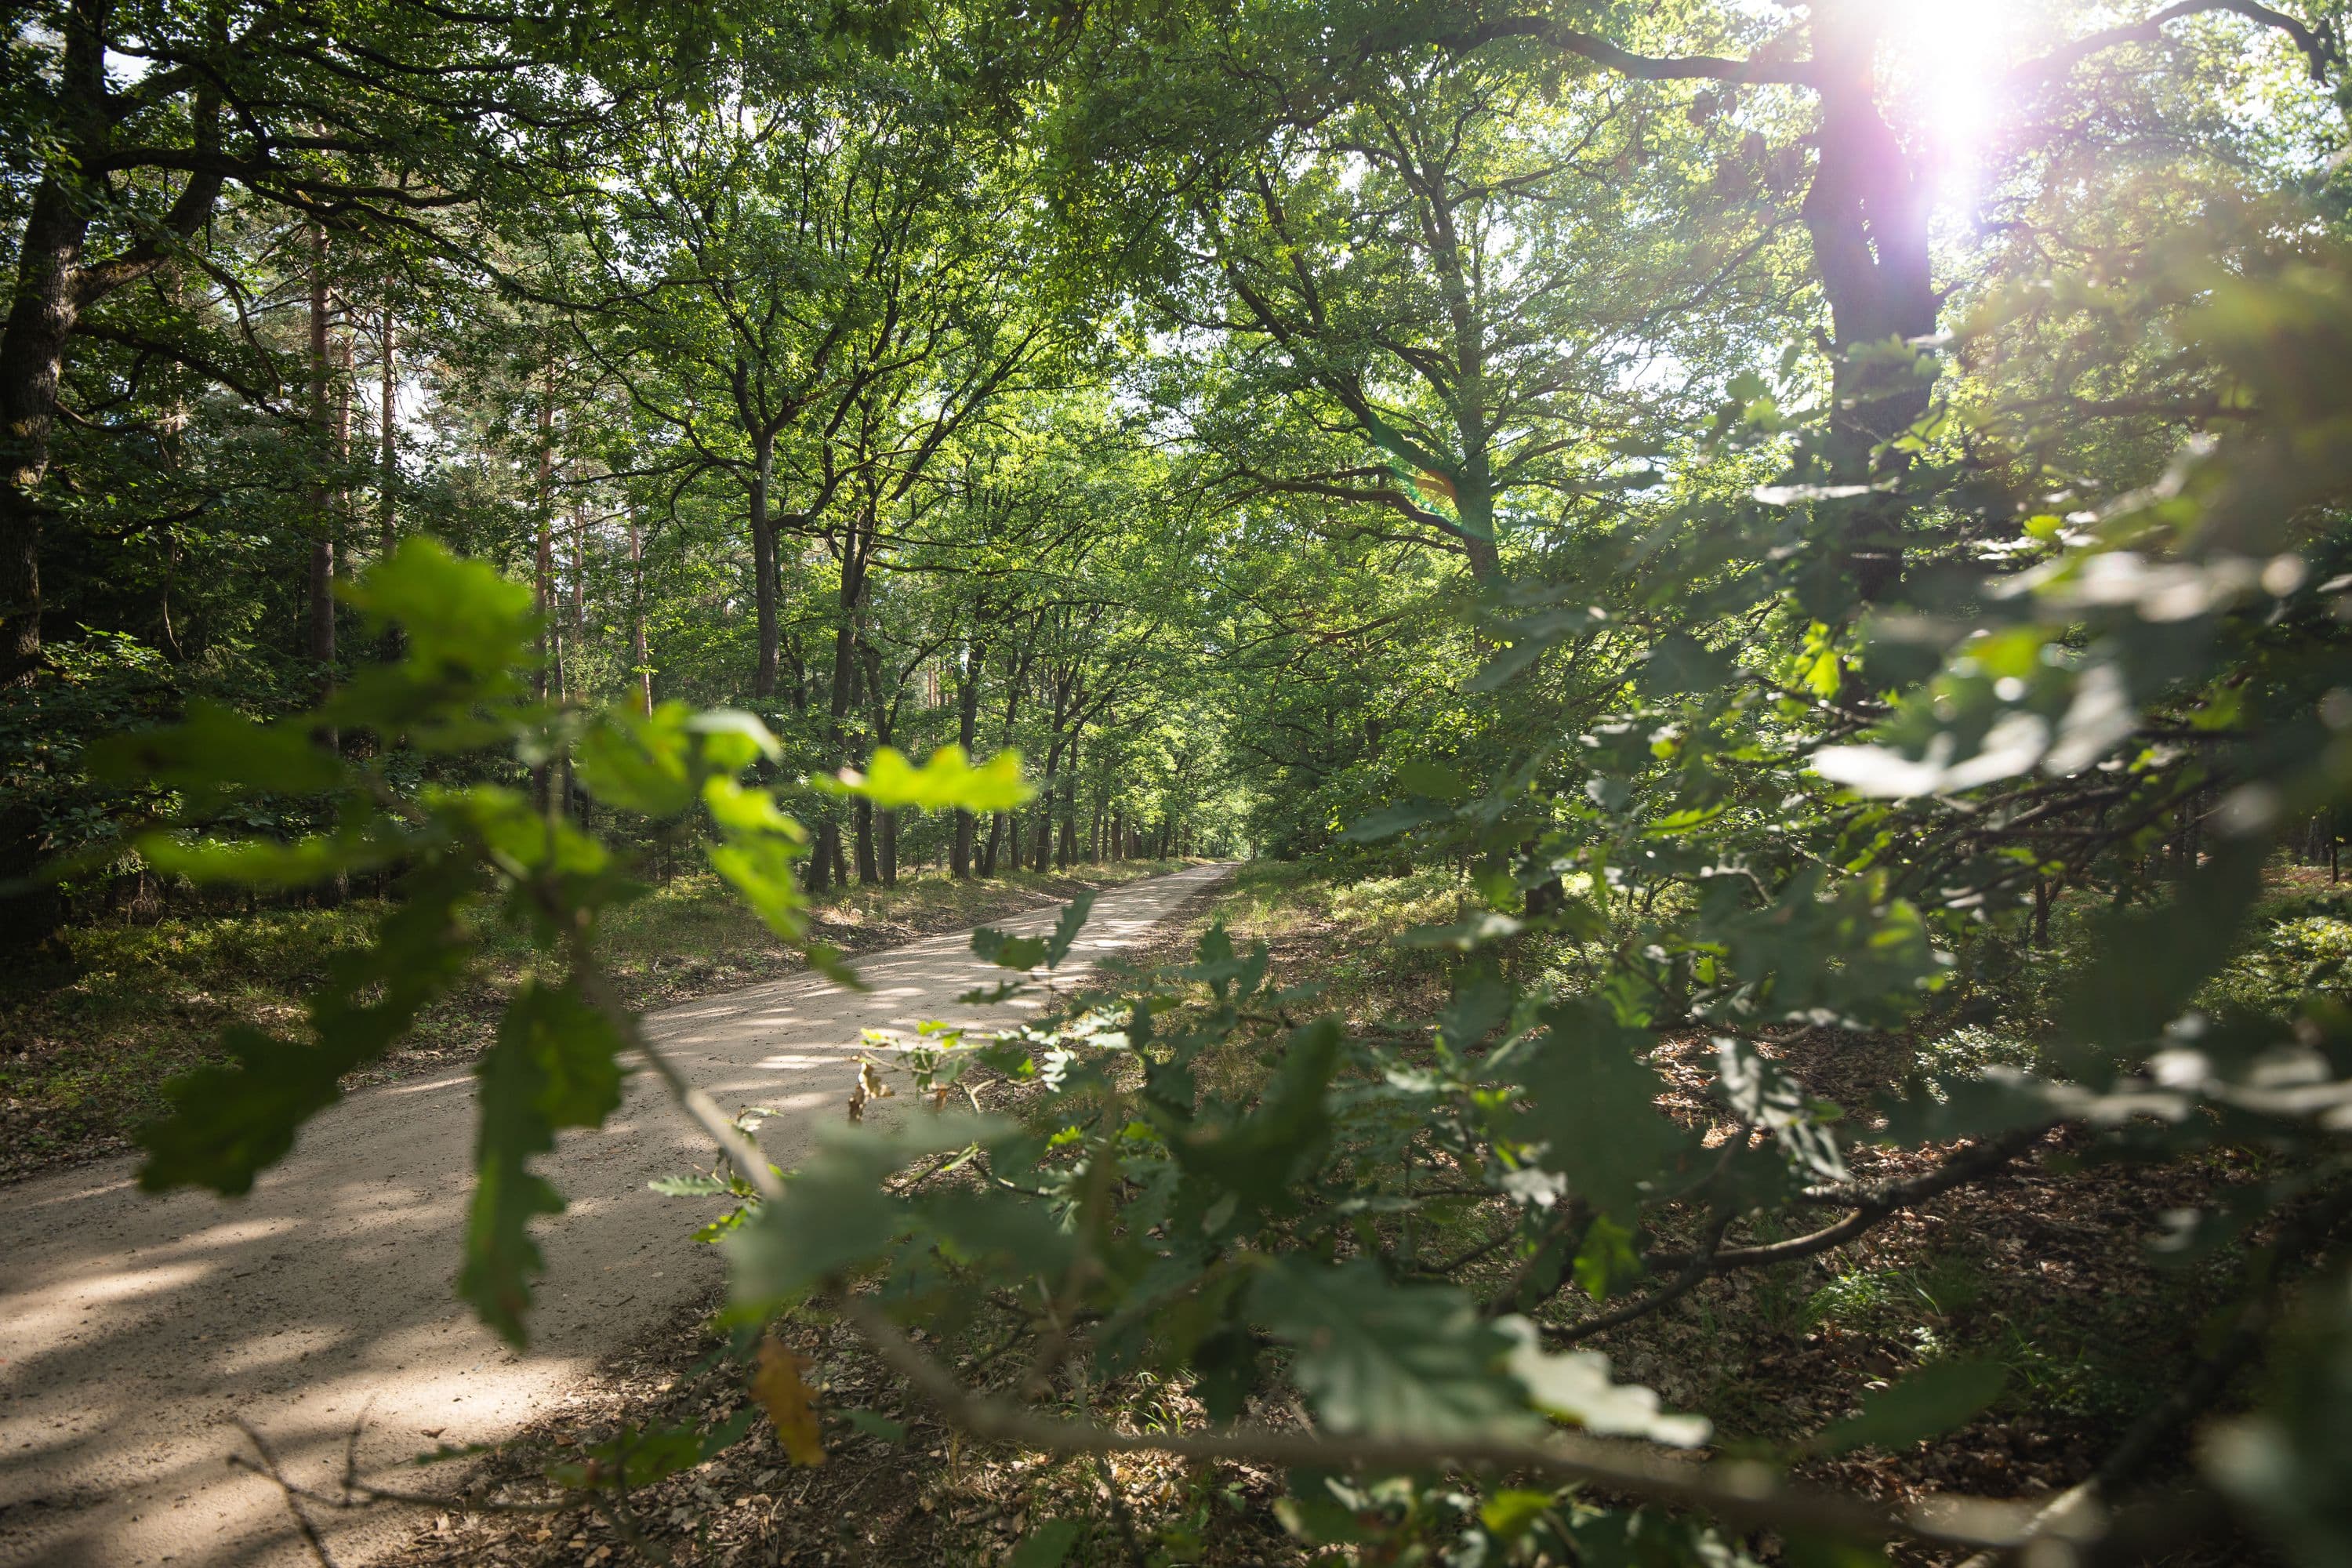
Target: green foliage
{"type": "Point", "coordinates": [1385, 1359]}
{"type": "Point", "coordinates": [1922, 1404]}
{"type": "Point", "coordinates": [1918, 650]}
{"type": "Point", "coordinates": [555, 1065]}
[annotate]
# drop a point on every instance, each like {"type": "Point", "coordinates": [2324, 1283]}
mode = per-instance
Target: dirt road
{"type": "Point", "coordinates": [135, 1330]}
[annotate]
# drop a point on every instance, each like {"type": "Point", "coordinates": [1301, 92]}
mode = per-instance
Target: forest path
{"type": "Point", "coordinates": [134, 1331]}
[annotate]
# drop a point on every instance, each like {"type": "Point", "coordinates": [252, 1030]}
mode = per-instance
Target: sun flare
{"type": "Point", "coordinates": [1948, 60]}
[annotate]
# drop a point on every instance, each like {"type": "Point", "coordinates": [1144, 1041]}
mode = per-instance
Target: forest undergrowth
{"type": "Point", "coordinates": [87, 1046]}
{"type": "Point", "coordinates": [2049, 1274]}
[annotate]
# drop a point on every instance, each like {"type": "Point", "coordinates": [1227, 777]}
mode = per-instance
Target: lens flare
{"type": "Point", "coordinates": [1947, 61]}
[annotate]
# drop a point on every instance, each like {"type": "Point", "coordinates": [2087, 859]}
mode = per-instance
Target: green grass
{"type": "Point", "coordinates": [86, 1055]}
{"type": "Point", "coordinates": [1348, 936]}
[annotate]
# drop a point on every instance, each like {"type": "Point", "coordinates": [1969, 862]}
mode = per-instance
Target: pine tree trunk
{"type": "Point", "coordinates": [543, 570]}
{"type": "Point", "coordinates": [639, 661]}
{"type": "Point", "coordinates": [319, 640]}
{"type": "Point", "coordinates": [331, 434]}
{"type": "Point", "coordinates": [387, 454]}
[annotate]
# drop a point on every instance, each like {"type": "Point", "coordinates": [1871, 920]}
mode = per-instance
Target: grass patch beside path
{"type": "Point", "coordinates": [83, 1056]}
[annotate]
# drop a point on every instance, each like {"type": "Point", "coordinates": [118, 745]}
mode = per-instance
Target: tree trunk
{"type": "Point", "coordinates": [888, 848]}
{"type": "Point", "coordinates": [579, 580]}
{"type": "Point", "coordinates": [543, 568]}
{"type": "Point", "coordinates": [765, 568]}
{"type": "Point", "coordinates": [387, 455]}
{"type": "Point", "coordinates": [568, 638]}
{"type": "Point", "coordinates": [387, 499]}
{"type": "Point", "coordinates": [1065, 852]}
{"type": "Point", "coordinates": [1474, 505]}
{"type": "Point", "coordinates": [319, 642]}
{"type": "Point", "coordinates": [331, 436]}
{"type": "Point", "coordinates": [989, 847]}
{"type": "Point", "coordinates": [1041, 843]}
{"type": "Point", "coordinates": [53, 286]}
{"type": "Point", "coordinates": [824, 857]}
{"type": "Point", "coordinates": [32, 358]}
{"type": "Point", "coordinates": [639, 661]}
{"type": "Point", "coordinates": [967, 735]}
{"type": "Point", "coordinates": [869, 867]}
{"type": "Point", "coordinates": [1867, 213]}
{"type": "Point", "coordinates": [43, 308]}
{"type": "Point", "coordinates": [827, 864]}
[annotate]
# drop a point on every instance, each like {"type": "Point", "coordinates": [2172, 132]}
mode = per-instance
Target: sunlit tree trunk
{"type": "Point", "coordinates": [1867, 213]}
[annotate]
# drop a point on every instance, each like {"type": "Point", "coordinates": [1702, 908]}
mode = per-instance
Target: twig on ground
{"type": "Point", "coordinates": [271, 1468]}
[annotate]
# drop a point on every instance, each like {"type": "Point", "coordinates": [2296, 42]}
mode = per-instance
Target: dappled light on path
{"type": "Point", "coordinates": [135, 1331]}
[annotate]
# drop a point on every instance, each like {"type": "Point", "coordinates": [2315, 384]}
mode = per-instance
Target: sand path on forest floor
{"type": "Point", "coordinates": [134, 1331]}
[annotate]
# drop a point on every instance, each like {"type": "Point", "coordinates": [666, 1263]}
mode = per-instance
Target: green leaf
{"type": "Point", "coordinates": [1511, 1513]}
{"type": "Point", "coordinates": [1485, 927]}
{"type": "Point", "coordinates": [1217, 967]}
{"type": "Point", "coordinates": [2289, 1461]}
{"type": "Point", "coordinates": [1066, 929]}
{"type": "Point", "coordinates": [1010, 1227]}
{"type": "Point", "coordinates": [556, 1064]}
{"type": "Point", "coordinates": [1923, 1403]}
{"type": "Point", "coordinates": [1760, 1092]}
{"type": "Point", "coordinates": [875, 1425]}
{"type": "Point", "coordinates": [1387, 1360]}
{"type": "Point", "coordinates": [1605, 1261]}
{"type": "Point", "coordinates": [1592, 1104]}
{"type": "Point", "coordinates": [732, 739]}
{"type": "Point", "coordinates": [1434, 780]}
{"type": "Point", "coordinates": [264, 863]}
{"type": "Point", "coordinates": [762, 846]}
{"type": "Point", "coordinates": [688, 1187]}
{"type": "Point", "coordinates": [993, 946]}
{"type": "Point", "coordinates": [642, 764]}
{"type": "Point", "coordinates": [1393, 820]}
{"type": "Point", "coordinates": [946, 781]}
{"type": "Point", "coordinates": [1575, 1386]}
{"type": "Point", "coordinates": [227, 1124]}
{"type": "Point", "coordinates": [456, 616]}
{"type": "Point", "coordinates": [1680, 663]}
{"type": "Point", "coordinates": [2151, 961]}
{"type": "Point", "coordinates": [834, 1215]}
{"type": "Point", "coordinates": [218, 751]}
{"type": "Point", "coordinates": [1046, 1545]}
{"type": "Point", "coordinates": [1259, 1157]}
{"type": "Point", "coordinates": [1480, 1004]}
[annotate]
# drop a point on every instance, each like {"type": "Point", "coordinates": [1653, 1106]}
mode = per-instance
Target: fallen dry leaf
{"type": "Point", "coordinates": [791, 1404]}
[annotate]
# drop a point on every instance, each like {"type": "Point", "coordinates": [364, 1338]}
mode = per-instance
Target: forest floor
{"type": "Point", "coordinates": [86, 1049]}
{"type": "Point", "coordinates": [2051, 1272]}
